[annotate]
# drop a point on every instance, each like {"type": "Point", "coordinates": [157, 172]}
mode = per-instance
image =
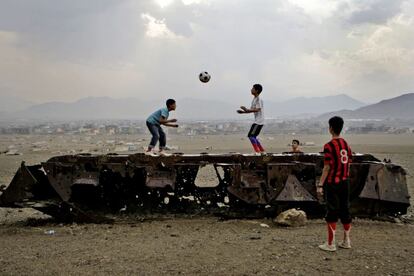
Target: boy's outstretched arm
{"type": "Point", "coordinates": [164, 121]}
{"type": "Point", "coordinates": [244, 109]}
{"type": "Point", "coordinates": [170, 125]}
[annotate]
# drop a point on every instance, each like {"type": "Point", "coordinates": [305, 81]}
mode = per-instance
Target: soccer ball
{"type": "Point", "coordinates": [204, 77]}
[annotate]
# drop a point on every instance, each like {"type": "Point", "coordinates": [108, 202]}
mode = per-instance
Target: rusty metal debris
{"type": "Point", "coordinates": [88, 187]}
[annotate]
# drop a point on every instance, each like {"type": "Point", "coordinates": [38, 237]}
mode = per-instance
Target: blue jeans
{"type": "Point", "coordinates": [158, 134]}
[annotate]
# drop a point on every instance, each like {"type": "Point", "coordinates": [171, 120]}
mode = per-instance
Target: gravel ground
{"type": "Point", "coordinates": [202, 246]}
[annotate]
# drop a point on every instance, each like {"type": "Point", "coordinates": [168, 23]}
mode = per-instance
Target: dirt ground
{"type": "Point", "coordinates": [182, 245]}
{"type": "Point", "coordinates": [202, 246]}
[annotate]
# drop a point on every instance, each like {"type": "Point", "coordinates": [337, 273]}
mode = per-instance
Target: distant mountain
{"type": "Point", "coordinates": [401, 107]}
{"type": "Point", "coordinates": [12, 104]}
{"type": "Point", "coordinates": [127, 108]}
{"type": "Point", "coordinates": [134, 108]}
{"type": "Point", "coordinates": [305, 107]}
{"type": "Point", "coordinates": [87, 108]}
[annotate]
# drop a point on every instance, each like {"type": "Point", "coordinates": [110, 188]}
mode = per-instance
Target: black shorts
{"type": "Point", "coordinates": [337, 202]}
{"type": "Point", "coordinates": [255, 130]}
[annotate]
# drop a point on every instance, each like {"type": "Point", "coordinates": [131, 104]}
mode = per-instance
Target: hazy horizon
{"type": "Point", "coordinates": [194, 97]}
{"type": "Point", "coordinates": [154, 49]}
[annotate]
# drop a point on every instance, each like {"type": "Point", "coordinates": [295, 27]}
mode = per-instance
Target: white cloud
{"type": "Point", "coordinates": [317, 9]}
{"type": "Point", "coordinates": [164, 3]}
{"type": "Point", "coordinates": [190, 2]}
{"type": "Point", "coordinates": [157, 28]}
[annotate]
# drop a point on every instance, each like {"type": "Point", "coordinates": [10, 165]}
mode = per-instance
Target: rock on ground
{"type": "Point", "coordinates": [291, 217]}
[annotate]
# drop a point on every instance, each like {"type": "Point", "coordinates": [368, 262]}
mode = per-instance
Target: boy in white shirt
{"type": "Point", "coordinates": [258, 110]}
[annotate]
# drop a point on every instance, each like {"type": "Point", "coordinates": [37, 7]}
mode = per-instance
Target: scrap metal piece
{"type": "Point", "coordinates": [249, 186]}
{"type": "Point", "coordinates": [20, 188]}
{"type": "Point", "coordinates": [392, 184]}
{"type": "Point", "coordinates": [161, 177]}
{"type": "Point", "coordinates": [386, 182]}
{"type": "Point", "coordinates": [290, 182]}
{"type": "Point", "coordinates": [60, 176]}
{"type": "Point", "coordinates": [294, 191]}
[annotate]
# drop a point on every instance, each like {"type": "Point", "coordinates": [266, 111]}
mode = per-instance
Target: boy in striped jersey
{"type": "Point", "coordinates": [334, 185]}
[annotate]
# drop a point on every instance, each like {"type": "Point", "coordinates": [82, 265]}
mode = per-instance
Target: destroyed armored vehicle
{"type": "Point", "coordinates": [94, 187]}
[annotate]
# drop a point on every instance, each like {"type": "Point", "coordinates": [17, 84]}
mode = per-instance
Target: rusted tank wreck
{"type": "Point", "coordinates": [88, 187]}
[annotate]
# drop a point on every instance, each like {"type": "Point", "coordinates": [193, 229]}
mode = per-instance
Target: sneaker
{"type": "Point", "coordinates": [257, 154]}
{"type": "Point", "coordinates": [162, 153]}
{"type": "Point", "coordinates": [150, 153]}
{"type": "Point", "coordinates": [345, 244]}
{"type": "Point", "coordinates": [327, 247]}
{"type": "Point", "coordinates": [263, 153]}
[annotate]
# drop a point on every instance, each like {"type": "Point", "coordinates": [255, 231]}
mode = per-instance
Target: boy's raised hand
{"type": "Point", "coordinates": [240, 111]}
{"type": "Point", "coordinates": [243, 108]}
{"type": "Point", "coordinates": [173, 120]}
{"type": "Point", "coordinates": [170, 125]}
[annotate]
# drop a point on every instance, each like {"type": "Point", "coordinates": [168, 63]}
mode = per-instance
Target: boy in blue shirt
{"type": "Point", "coordinates": [154, 122]}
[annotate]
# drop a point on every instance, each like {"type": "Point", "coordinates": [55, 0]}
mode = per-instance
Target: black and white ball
{"type": "Point", "coordinates": [204, 77]}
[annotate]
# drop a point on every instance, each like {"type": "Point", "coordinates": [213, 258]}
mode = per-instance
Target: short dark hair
{"type": "Point", "coordinates": [336, 123]}
{"type": "Point", "coordinates": [296, 140]}
{"type": "Point", "coordinates": [170, 102]}
{"type": "Point", "coordinates": [258, 88]}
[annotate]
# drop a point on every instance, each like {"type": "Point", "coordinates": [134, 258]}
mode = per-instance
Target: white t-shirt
{"type": "Point", "coordinates": [258, 116]}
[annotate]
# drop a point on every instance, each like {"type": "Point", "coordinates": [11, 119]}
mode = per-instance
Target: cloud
{"type": "Point", "coordinates": [153, 49]}
{"type": "Point", "coordinates": [374, 11]}
{"type": "Point", "coordinates": [157, 28]}
{"type": "Point", "coordinates": [317, 9]}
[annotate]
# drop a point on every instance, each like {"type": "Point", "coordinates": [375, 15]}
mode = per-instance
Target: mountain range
{"type": "Point", "coordinates": [188, 108]}
{"type": "Point", "coordinates": [304, 107]}
{"type": "Point", "coordinates": [401, 107]}
{"type": "Point", "coordinates": [11, 104]}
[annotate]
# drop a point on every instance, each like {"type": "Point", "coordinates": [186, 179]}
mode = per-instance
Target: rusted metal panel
{"type": "Point", "coordinates": [161, 178]}
{"type": "Point", "coordinates": [294, 191]}
{"type": "Point", "coordinates": [20, 187]}
{"type": "Point", "coordinates": [371, 188]}
{"type": "Point", "coordinates": [249, 186]}
{"type": "Point", "coordinates": [292, 181]}
{"type": "Point", "coordinates": [60, 176]}
{"type": "Point", "coordinates": [392, 184]}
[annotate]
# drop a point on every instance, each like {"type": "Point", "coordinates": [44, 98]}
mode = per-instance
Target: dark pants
{"type": "Point", "coordinates": [254, 130]}
{"type": "Point", "coordinates": [253, 133]}
{"type": "Point", "coordinates": [337, 202]}
{"type": "Point", "coordinates": [158, 134]}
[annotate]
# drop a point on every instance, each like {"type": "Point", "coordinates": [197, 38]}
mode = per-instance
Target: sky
{"type": "Point", "coordinates": [154, 49]}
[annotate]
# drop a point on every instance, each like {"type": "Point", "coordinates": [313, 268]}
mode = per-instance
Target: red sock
{"type": "Point", "coordinates": [347, 229]}
{"type": "Point", "coordinates": [347, 226]}
{"type": "Point", "coordinates": [260, 147]}
{"type": "Point", "coordinates": [256, 148]}
{"type": "Point", "coordinates": [331, 232]}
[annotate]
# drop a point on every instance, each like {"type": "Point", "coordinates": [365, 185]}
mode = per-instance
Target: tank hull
{"type": "Point", "coordinates": [89, 187]}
